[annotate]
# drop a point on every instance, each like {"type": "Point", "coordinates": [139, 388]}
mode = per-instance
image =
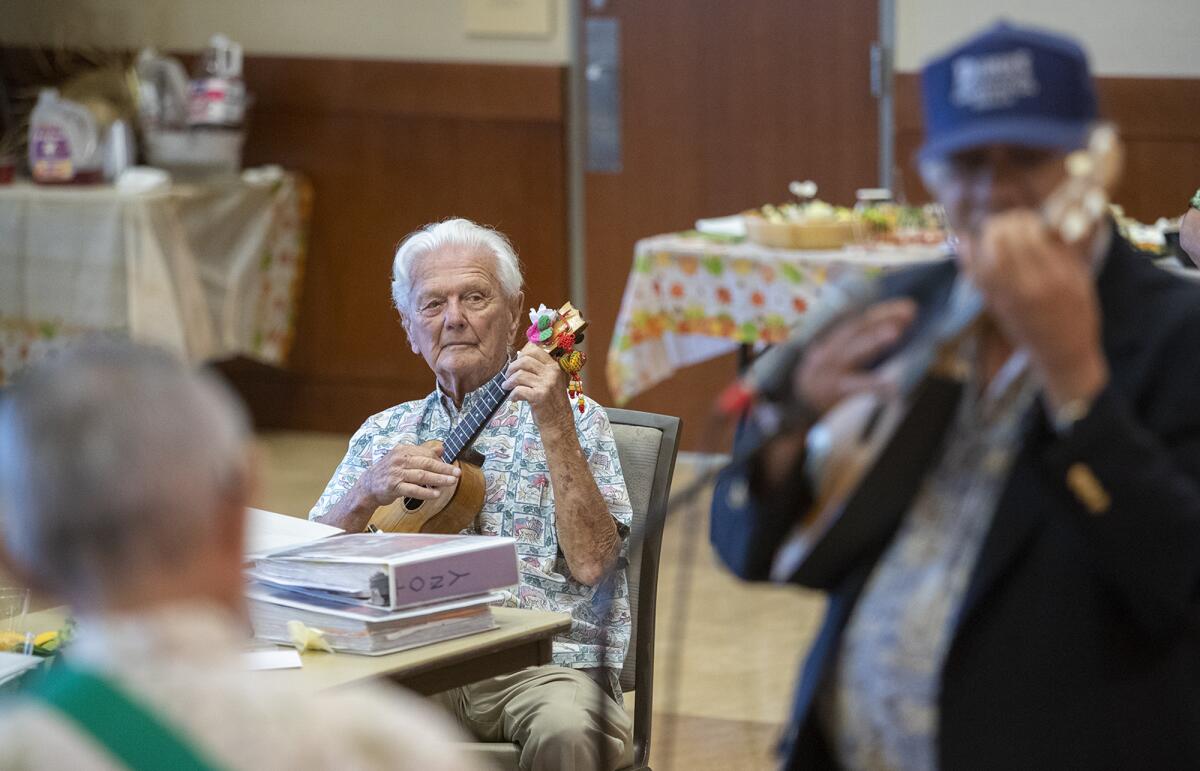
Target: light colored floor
{"type": "Point", "coordinates": [726, 653]}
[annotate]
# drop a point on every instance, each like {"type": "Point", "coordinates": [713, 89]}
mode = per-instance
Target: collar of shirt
{"type": "Point", "coordinates": [192, 631]}
{"type": "Point", "coordinates": [447, 402]}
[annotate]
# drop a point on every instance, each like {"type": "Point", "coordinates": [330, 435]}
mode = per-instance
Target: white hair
{"type": "Point", "coordinates": [117, 459]}
{"type": "Point", "coordinates": [450, 233]}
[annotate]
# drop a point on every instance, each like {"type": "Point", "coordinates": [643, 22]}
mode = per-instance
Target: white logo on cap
{"type": "Point", "coordinates": [993, 82]}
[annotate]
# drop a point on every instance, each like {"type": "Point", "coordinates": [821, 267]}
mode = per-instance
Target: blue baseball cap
{"type": "Point", "coordinates": [1008, 85]}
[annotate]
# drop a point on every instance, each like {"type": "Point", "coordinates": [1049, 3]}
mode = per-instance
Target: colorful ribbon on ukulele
{"type": "Point", "coordinates": [561, 345]}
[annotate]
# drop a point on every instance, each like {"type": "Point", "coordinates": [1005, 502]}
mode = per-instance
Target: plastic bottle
{"type": "Point", "coordinates": [64, 145]}
{"type": "Point", "coordinates": [218, 96]}
{"type": "Point", "coordinates": [162, 91]}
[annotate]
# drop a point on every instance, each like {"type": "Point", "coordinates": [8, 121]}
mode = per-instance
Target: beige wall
{"type": "Point", "coordinates": [431, 30]}
{"type": "Point", "coordinates": [1147, 38]}
{"type": "Point", "coordinates": [1153, 38]}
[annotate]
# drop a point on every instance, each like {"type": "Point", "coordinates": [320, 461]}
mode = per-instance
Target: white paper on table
{"type": "Point", "coordinates": [267, 532]}
{"type": "Point", "coordinates": [13, 664]}
{"type": "Point", "coordinates": [275, 658]}
{"type": "Point", "coordinates": [733, 225]}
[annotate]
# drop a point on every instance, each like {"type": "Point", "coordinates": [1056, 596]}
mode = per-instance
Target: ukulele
{"type": "Point", "coordinates": [868, 454]}
{"type": "Point", "coordinates": [455, 507]}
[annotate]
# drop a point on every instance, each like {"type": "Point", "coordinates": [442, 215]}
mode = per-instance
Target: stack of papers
{"type": "Point", "coordinates": [394, 570]}
{"type": "Point", "coordinates": [375, 593]}
{"type": "Point", "coordinates": [732, 226]}
{"type": "Point", "coordinates": [272, 658]}
{"type": "Point", "coordinates": [364, 629]}
{"type": "Point", "coordinates": [268, 532]}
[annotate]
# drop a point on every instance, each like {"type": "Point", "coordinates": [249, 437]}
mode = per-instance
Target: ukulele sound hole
{"type": "Point", "coordinates": [412, 504]}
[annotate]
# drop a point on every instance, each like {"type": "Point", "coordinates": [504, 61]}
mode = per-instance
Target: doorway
{"type": "Point", "coordinates": [719, 105]}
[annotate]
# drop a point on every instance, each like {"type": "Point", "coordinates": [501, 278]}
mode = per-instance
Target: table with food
{"type": "Point", "coordinates": [748, 279]}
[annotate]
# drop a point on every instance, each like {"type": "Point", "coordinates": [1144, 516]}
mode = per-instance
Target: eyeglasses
{"type": "Point", "coordinates": [970, 165]}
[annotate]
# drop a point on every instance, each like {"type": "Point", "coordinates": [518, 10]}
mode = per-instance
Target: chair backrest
{"type": "Point", "coordinates": [647, 444]}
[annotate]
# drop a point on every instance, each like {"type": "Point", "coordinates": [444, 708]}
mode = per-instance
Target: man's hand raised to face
{"type": "Point", "coordinates": [1042, 294]}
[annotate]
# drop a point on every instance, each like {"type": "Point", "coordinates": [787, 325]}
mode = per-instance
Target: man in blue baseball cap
{"type": "Point", "coordinates": [1032, 597]}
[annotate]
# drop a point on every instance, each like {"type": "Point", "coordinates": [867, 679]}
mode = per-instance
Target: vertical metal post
{"type": "Point", "coordinates": [883, 57]}
{"type": "Point", "coordinates": [575, 128]}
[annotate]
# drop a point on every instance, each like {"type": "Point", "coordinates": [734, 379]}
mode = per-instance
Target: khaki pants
{"type": "Point", "coordinates": [560, 718]}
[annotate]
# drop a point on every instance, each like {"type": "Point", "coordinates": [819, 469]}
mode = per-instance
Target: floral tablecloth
{"type": "Point", "coordinates": [690, 298]}
{"type": "Point", "coordinates": [209, 271]}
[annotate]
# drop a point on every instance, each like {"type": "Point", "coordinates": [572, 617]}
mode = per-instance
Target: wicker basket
{"type": "Point", "coordinates": [797, 235]}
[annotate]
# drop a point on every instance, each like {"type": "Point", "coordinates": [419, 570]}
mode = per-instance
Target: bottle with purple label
{"type": "Point", "coordinates": [64, 145]}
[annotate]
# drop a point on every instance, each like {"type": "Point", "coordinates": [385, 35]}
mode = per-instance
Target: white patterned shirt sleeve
{"type": "Point", "coordinates": [600, 450]}
{"type": "Point", "coordinates": [360, 454]}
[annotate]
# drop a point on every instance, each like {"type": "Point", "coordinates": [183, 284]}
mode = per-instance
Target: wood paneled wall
{"type": "Point", "coordinates": [1158, 120]}
{"type": "Point", "coordinates": [391, 145]}
{"type": "Point", "coordinates": [388, 147]}
{"type": "Point", "coordinates": [721, 108]}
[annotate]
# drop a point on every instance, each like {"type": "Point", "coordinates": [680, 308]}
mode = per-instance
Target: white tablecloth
{"type": "Point", "coordinates": [209, 271]}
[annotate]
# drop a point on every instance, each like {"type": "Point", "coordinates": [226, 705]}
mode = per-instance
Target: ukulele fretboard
{"type": "Point", "coordinates": [491, 396]}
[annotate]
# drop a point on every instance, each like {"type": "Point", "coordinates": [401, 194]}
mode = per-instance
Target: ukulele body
{"type": "Point", "coordinates": [850, 435]}
{"type": "Point", "coordinates": [452, 511]}
{"type": "Point", "coordinates": [876, 450]}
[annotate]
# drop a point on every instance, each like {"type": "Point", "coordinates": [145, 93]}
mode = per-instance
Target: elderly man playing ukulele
{"type": "Point", "coordinates": [1041, 584]}
{"type": "Point", "coordinates": [553, 482]}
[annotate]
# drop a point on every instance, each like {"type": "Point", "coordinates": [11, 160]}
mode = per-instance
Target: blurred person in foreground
{"type": "Point", "coordinates": [1037, 605]}
{"type": "Point", "coordinates": [124, 478]}
{"type": "Point", "coordinates": [554, 483]}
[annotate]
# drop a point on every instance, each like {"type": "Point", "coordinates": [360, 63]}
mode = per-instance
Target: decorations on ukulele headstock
{"type": "Point", "coordinates": [571, 363]}
{"type": "Point", "coordinates": [572, 321]}
{"type": "Point", "coordinates": [558, 332]}
{"type": "Point", "coordinates": [1081, 200]}
{"type": "Point", "coordinates": [541, 327]}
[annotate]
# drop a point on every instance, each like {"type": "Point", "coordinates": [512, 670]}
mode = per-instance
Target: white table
{"type": "Point", "coordinates": [209, 271]}
{"type": "Point", "coordinates": [522, 638]}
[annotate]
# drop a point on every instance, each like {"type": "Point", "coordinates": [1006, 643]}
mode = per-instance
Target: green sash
{"type": "Point", "coordinates": [126, 729]}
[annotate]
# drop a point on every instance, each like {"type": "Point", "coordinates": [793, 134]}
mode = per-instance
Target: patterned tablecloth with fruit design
{"type": "Point", "coordinates": [208, 270]}
{"type": "Point", "coordinates": [692, 298]}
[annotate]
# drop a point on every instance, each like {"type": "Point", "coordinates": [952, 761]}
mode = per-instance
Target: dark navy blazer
{"type": "Point", "coordinates": [1078, 644]}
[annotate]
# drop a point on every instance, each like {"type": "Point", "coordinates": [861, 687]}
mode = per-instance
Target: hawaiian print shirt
{"type": "Point", "coordinates": [519, 503]}
{"type": "Point", "coordinates": [880, 707]}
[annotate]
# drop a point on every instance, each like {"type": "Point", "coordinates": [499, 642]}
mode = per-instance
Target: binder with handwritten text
{"type": "Point", "coordinates": [394, 570]}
